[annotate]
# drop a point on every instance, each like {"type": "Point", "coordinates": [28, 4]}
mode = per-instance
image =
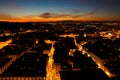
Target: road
{"type": "Point", "coordinates": [96, 59]}
{"type": "Point", "coordinates": [3, 44]}
{"type": "Point", "coordinates": [52, 72]}
{"type": "Point", "coordinates": [12, 60]}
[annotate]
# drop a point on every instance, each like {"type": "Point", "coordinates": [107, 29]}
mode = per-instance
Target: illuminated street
{"type": "Point", "coordinates": [101, 65]}
{"type": "Point", "coordinates": [96, 59]}
{"type": "Point", "coordinates": [52, 73]}
{"type": "Point", "coordinates": [15, 57]}
{"type": "Point", "coordinates": [3, 44]}
{"type": "Point", "coordinates": [63, 50]}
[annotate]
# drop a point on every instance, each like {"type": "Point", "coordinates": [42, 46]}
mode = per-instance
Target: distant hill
{"type": "Point", "coordinates": [66, 21]}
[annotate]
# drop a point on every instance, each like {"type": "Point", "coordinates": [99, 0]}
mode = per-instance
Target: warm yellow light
{"type": "Point", "coordinates": [3, 44]}
{"type": "Point", "coordinates": [83, 52]}
{"type": "Point", "coordinates": [80, 48]}
{"type": "Point", "coordinates": [98, 67]}
{"type": "Point", "coordinates": [108, 73]}
{"type": "Point", "coordinates": [47, 41]}
{"type": "Point", "coordinates": [37, 41]}
{"type": "Point", "coordinates": [88, 55]}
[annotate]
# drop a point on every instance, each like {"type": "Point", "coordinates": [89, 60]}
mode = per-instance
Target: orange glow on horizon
{"type": "Point", "coordinates": [58, 19]}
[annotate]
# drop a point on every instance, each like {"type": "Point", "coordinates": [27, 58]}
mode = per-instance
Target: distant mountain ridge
{"type": "Point", "coordinates": [64, 21]}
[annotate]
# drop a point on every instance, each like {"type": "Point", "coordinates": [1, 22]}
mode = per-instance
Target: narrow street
{"type": "Point", "coordinates": [96, 59]}
{"type": "Point", "coordinates": [12, 60]}
{"type": "Point", "coordinates": [52, 72]}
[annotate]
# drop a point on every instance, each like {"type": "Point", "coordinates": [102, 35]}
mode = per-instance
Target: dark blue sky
{"type": "Point", "coordinates": [77, 9]}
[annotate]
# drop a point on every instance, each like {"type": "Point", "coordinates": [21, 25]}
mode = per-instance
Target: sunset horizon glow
{"type": "Point", "coordinates": [59, 10]}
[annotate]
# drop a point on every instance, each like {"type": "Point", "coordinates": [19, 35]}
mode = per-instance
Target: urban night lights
{"type": "Point", "coordinates": [59, 40]}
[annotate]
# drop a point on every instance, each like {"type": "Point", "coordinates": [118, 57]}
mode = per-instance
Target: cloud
{"type": "Point", "coordinates": [74, 15]}
{"type": "Point", "coordinates": [53, 15]}
{"type": "Point", "coordinates": [49, 16]}
{"type": "Point", "coordinates": [85, 14]}
{"type": "Point", "coordinates": [5, 16]}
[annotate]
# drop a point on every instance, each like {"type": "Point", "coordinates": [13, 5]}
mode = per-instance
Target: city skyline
{"type": "Point", "coordinates": [58, 10]}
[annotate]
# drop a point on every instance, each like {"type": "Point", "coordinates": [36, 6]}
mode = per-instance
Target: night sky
{"type": "Point", "coordinates": [57, 10]}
